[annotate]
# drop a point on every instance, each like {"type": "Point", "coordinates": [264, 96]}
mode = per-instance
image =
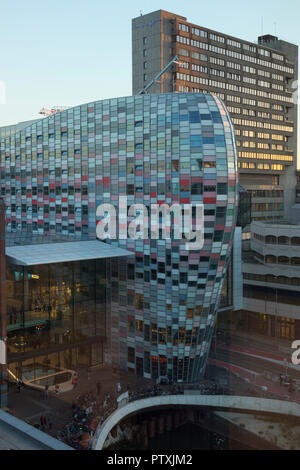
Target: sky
{"type": "Point", "coordinates": [69, 52]}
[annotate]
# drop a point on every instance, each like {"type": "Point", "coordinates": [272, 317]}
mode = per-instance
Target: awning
{"type": "Point", "coordinates": [49, 253]}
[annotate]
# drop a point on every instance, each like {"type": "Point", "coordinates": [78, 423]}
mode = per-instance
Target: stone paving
{"type": "Point", "coordinates": [29, 404]}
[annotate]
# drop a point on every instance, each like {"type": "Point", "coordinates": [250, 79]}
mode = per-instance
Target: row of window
{"type": "Point", "coordinates": [280, 240]}
{"type": "Point", "coordinates": [259, 135]}
{"type": "Point", "coordinates": [259, 145]}
{"type": "Point", "coordinates": [245, 90]}
{"type": "Point", "coordinates": [266, 125]}
{"type": "Point", "coordinates": [283, 296]}
{"type": "Point", "coordinates": [265, 156]}
{"type": "Point", "coordinates": [231, 87]}
{"type": "Point", "coordinates": [230, 42]}
{"type": "Point", "coordinates": [260, 166]}
{"type": "Point", "coordinates": [267, 206]}
{"type": "Point", "coordinates": [236, 55]}
{"type": "Point", "coordinates": [236, 66]}
{"type": "Point", "coordinates": [282, 260]}
{"type": "Point", "coordinates": [294, 281]}
{"type": "Point", "coordinates": [254, 113]}
{"type": "Point", "coordinates": [267, 193]}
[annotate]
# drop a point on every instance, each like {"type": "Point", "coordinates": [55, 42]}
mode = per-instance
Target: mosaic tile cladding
{"type": "Point", "coordinates": [164, 148]}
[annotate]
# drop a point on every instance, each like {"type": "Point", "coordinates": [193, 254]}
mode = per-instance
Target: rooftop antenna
{"type": "Point", "coordinates": [141, 14]}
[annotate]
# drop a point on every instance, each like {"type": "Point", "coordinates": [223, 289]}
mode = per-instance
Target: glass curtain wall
{"type": "Point", "coordinates": [56, 314]}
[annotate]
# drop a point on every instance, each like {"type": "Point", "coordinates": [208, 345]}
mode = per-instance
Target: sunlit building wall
{"type": "Point", "coordinates": [168, 148]}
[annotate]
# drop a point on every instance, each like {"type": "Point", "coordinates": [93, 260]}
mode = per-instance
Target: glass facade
{"type": "Point", "coordinates": [56, 315]}
{"type": "Point", "coordinates": [154, 149]}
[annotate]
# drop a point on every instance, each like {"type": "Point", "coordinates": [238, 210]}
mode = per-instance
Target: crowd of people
{"type": "Point", "coordinates": [88, 411]}
{"type": "Point", "coordinates": [91, 409]}
{"type": "Point", "coordinates": [205, 388]}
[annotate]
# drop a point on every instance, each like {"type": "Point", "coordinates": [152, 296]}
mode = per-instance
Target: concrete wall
{"type": "Point", "coordinates": [22, 436]}
{"type": "Point", "coordinates": [215, 401]}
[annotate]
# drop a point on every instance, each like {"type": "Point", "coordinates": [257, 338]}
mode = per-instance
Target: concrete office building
{"type": "Point", "coordinates": [256, 81]}
{"type": "Point", "coordinates": [271, 278]}
{"type": "Point", "coordinates": [154, 149]}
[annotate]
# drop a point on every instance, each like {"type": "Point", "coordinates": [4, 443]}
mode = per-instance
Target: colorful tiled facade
{"type": "Point", "coordinates": [167, 148]}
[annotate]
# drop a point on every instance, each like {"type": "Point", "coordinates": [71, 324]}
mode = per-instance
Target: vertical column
{"type": "Point", "coordinates": [3, 330]}
{"type": "Point", "coordinates": [269, 325]}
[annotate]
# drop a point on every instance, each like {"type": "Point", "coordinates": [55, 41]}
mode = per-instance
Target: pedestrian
{"type": "Point", "coordinates": [46, 393]}
{"type": "Point", "coordinates": [43, 422]}
{"type": "Point", "coordinates": [50, 422]}
{"type": "Point", "coordinates": [280, 379]}
{"type": "Point", "coordinates": [98, 385]}
{"type": "Point", "coordinates": [75, 380]}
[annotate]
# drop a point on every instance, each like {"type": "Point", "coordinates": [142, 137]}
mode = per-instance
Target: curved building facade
{"type": "Point", "coordinates": [154, 149]}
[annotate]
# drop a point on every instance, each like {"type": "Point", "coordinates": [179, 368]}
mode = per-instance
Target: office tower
{"type": "Point", "coordinates": [152, 149]}
{"type": "Point", "coordinates": [256, 81]}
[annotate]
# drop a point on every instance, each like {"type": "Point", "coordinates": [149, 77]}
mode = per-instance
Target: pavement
{"type": "Point", "coordinates": [29, 404]}
{"type": "Point", "coordinates": [257, 347]}
{"type": "Point", "coordinates": [254, 341]}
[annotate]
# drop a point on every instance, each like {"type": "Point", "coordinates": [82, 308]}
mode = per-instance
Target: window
{"type": "Point", "coordinates": [184, 27]}
{"type": "Point", "coordinates": [249, 48]}
{"type": "Point", "coordinates": [215, 37]}
{"type": "Point", "coordinates": [184, 52]}
{"type": "Point", "coordinates": [277, 57]}
{"type": "Point", "coordinates": [131, 354]}
{"type": "Point", "coordinates": [196, 188]}
{"type": "Point", "coordinates": [130, 189]}
{"type": "Point", "coordinates": [283, 240]}
{"type": "Point", "coordinates": [231, 42]}
{"type": "Point", "coordinates": [209, 189]}
{"type": "Point", "coordinates": [283, 260]}
{"type": "Point", "coordinates": [199, 32]}
{"type": "Point", "coordinates": [222, 188]}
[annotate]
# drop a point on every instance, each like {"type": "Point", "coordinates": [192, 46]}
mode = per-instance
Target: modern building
{"type": "Point", "coordinates": [57, 307]}
{"type": "Point", "coordinates": [271, 278]}
{"type": "Point", "coordinates": [55, 173]}
{"type": "Point", "coordinates": [257, 82]}
{"type": "Point", "coordinates": [6, 131]}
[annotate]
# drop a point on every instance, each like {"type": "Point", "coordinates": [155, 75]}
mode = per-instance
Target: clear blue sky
{"type": "Point", "coordinates": [68, 52]}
